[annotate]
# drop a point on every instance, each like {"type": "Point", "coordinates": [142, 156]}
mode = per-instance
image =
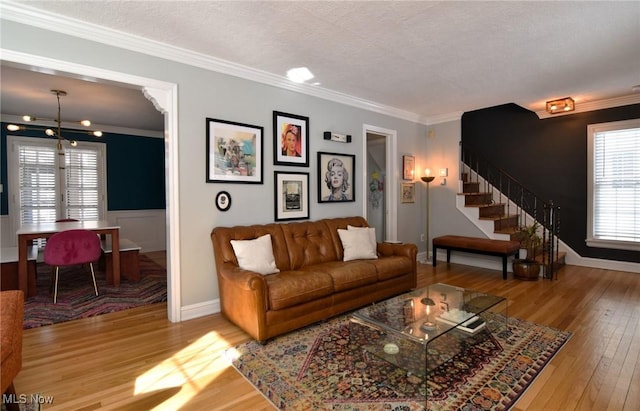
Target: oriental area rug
{"type": "Point", "coordinates": [323, 367]}
{"type": "Point", "coordinates": [77, 299]}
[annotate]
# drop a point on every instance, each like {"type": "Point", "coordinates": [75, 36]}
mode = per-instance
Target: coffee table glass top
{"type": "Point", "coordinates": [420, 331]}
{"type": "Point", "coordinates": [427, 313]}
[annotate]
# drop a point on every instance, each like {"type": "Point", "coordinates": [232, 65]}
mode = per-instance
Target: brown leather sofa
{"type": "Point", "coordinates": [314, 283]}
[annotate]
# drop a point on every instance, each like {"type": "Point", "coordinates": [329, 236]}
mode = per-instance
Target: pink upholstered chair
{"type": "Point", "coordinates": [72, 247]}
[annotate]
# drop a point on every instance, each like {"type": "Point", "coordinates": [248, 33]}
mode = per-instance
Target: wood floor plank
{"type": "Point", "coordinates": [137, 359]}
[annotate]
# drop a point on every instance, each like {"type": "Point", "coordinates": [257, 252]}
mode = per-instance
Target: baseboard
{"type": "Point", "coordinates": [190, 312]}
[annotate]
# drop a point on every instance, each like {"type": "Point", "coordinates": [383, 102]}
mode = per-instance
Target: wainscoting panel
{"type": "Point", "coordinates": [147, 228]}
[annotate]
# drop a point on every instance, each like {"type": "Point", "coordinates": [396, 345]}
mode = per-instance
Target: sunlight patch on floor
{"type": "Point", "coordinates": [192, 369]}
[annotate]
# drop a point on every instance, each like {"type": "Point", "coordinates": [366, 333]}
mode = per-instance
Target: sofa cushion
{"type": "Point", "coordinates": [289, 288]}
{"type": "Point", "coordinates": [255, 255]}
{"type": "Point", "coordinates": [308, 243]}
{"type": "Point", "coordinates": [391, 266]}
{"type": "Point", "coordinates": [357, 244]}
{"type": "Point", "coordinates": [347, 275]}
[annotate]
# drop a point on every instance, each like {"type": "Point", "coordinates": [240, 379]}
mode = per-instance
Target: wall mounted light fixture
{"type": "Point", "coordinates": [561, 105]}
{"type": "Point", "coordinates": [341, 138]}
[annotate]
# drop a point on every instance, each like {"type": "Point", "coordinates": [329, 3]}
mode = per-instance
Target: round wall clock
{"type": "Point", "coordinates": [223, 201]}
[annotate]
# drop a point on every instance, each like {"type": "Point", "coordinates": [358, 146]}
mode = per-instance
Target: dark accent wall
{"type": "Point", "coordinates": [135, 169]}
{"type": "Point", "coordinates": [549, 157]}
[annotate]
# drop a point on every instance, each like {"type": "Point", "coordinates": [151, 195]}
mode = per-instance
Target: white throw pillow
{"type": "Point", "coordinates": [370, 230]}
{"type": "Point", "coordinates": [357, 245]}
{"type": "Point", "coordinates": [255, 255]}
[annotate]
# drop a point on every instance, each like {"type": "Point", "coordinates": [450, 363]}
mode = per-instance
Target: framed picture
{"type": "Point", "coordinates": [223, 201]}
{"type": "Point", "coordinates": [408, 167]}
{"type": "Point", "coordinates": [408, 193]}
{"type": "Point", "coordinates": [291, 195]}
{"type": "Point", "coordinates": [290, 139]}
{"type": "Point", "coordinates": [336, 180]}
{"type": "Point", "coordinates": [234, 152]}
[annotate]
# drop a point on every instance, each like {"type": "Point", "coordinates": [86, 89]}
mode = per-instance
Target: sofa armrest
{"type": "Point", "coordinates": [243, 279]}
{"type": "Point", "coordinates": [405, 250]}
{"type": "Point", "coordinates": [409, 251]}
{"type": "Point", "coordinates": [243, 299]}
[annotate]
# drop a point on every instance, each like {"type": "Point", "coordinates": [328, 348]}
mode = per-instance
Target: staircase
{"type": "Point", "coordinates": [506, 206]}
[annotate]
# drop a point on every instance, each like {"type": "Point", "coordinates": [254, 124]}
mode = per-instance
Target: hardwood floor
{"type": "Point", "coordinates": [138, 360]}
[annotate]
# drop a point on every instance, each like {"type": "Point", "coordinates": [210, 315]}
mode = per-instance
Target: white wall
{"type": "Point", "coordinates": [203, 93]}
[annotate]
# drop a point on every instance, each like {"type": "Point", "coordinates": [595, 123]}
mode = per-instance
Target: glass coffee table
{"type": "Point", "coordinates": [421, 330]}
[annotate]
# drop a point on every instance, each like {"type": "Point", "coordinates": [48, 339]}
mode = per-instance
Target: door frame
{"type": "Point", "coordinates": [390, 179]}
{"type": "Point", "coordinates": [164, 97]}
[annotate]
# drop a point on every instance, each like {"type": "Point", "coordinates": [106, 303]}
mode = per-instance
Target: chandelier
{"type": "Point", "coordinates": [57, 131]}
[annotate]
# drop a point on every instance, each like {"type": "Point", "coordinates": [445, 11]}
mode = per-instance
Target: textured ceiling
{"type": "Point", "coordinates": [428, 58]}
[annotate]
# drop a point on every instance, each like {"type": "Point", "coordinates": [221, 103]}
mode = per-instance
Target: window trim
{"type": "Point", "coordinates": [13, 176]}
{"type": "Point", "coordinates": [592, 130]}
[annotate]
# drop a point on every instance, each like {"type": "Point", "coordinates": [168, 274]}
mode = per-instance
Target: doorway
{"type": "Point", "coordinates": [380, 181]}
{"type": "Point", "coordinates": [163, 95]}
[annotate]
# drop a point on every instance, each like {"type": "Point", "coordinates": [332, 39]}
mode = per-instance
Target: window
{"type": "Point", "coordinates": [614, 185]}
{"type": "Point", "coordinates": [47, 186]}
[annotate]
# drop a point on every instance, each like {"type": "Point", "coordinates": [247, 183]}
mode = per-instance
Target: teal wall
{"type": "Point", "coordinates": [135, 169]}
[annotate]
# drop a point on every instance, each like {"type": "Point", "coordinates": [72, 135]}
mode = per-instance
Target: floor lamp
{"type": "Point", "coordinates": [427, 179]}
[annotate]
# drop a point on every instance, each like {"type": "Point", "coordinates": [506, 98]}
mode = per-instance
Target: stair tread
{"type": "Point", "coordinates": [478, 193]}
{"type": "Point", "coordinates": [498, 217]}
{"type": "Point", "coordinates": [507, 230]}
{"type": "Point", "coordinates": [492, 205]}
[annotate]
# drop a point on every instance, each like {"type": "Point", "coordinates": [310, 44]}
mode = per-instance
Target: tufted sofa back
{"type": "Point", "coordinates": [295, 245]}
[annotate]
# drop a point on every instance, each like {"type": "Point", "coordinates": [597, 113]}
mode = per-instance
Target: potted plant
{"type": "Point", "coordinates": [528, 268]}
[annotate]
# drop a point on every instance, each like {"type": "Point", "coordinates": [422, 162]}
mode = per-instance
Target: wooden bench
{"type": "Point", "coordinates": [9, 269]}
{"type": "Point", "coordinates": [129, 259]}
{"type": "Point", "coordinates": [486, 246]}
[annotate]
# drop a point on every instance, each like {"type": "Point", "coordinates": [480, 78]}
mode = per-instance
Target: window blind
{"type": "Point", "coordinates": [37, 180]}
{"type": "Point", "coordinates": [81, 184]}
{"type": "Point", "coordinates": [616, 185]}
{"type": "Point", "coordinates": [52, 186]}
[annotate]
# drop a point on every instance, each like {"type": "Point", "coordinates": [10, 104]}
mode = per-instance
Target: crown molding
{"type": "Point", "coordinates": [443, 118]}
{"type": "Point", "coordinates": [595, 105]}
{"type": "Point", "coordinates": [27, 15]}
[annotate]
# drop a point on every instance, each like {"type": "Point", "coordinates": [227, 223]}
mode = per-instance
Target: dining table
{"type": "Point", "coordinates": [28, 232]}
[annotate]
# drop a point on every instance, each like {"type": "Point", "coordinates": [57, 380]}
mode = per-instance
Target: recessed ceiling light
{"type": "Point", "coordinates": [299, 74]}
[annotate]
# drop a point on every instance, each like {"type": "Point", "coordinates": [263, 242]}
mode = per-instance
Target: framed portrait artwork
{"type": "Point", "coordinates": [223, 201]}
{"type": "Point", "coordinates": [290, 139]}
{"type": "Point", "coordinates": [408, 193]}
{"type": "Point", "coordinates": [234, 152]}
{"type": "Point", "coordinates": [336, 179]}
{"type": "Point", "coordinates": [408, 167]}
{"type": "Point", "coordinates": [291, 195]}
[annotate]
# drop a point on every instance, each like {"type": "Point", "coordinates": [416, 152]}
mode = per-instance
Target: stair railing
{"type": "Point", "coordinates": [519, 201]}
